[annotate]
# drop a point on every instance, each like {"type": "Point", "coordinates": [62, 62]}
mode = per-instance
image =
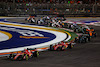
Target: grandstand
{"type": "Point", "coordinates": [50, 7]}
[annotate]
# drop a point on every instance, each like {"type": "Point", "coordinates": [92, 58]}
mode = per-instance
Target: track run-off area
{"type": "Point", "coordinates": [15, 36]}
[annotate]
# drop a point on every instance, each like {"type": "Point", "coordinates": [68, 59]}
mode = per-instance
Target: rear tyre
{"type": "Point", "coordinates": [36, 54]}
{"type": "Point", "coordinates": [86, 40]}
{"type": "Point", "coordinates": [74, 30]}
{"type": "Point", "coordinates": [63, 48]}
{"type": "Point", "coordinates": [51, 47]}
{"type": "Point", "coordinates": [75, 40]}
{"type": "Point", "coordinates": [20, 58]}
{"type": "Point", "coordinates": [80, 40]}
{"type": "Point", "coordinates": [70, 46]}
{"type": "Point", "coordinates": [11, 56]}
{"type": "Point", "coordinates": [95, 35]}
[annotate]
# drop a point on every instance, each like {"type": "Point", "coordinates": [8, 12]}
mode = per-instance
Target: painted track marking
{"type": "Point", "coordinates": [35, 28]}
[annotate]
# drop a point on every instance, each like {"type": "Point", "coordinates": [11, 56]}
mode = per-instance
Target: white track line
{"type": "Point", "coordinates": [59, 37]}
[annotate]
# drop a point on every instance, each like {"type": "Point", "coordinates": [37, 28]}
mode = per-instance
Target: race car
{"type": "Point", "coordinates": [44, 21]}
{"type": "Point", "coordinates": [56, 24]}
{"type": "Point", "coordinates": [84, 29]}
{"type": "Point", "coordinates": [31, 19]}
{"type": "Point", "coordinates": [40, 21]}
{"type": "Point", "coordinates": [61, 46]}
{"type": "Point", "coordinates": [72, 26]}
{"type": "Point", "coordinates": [26, 54]}
{"type": "Point", "coordinates": [82, 38]}
{"type": "Point", "coordinates": [89, 31]}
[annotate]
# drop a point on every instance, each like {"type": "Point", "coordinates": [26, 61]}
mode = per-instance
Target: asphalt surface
{"type": "Point", "coordinates": [81, 55]}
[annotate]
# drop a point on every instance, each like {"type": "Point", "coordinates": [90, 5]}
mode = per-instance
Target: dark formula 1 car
{"type": "Point", "coordinates": [85, 30]}
{"type": "Point", "coordinates": [82, 38]}
{"type": "Point", "coordinates": [89, 31]}
{"type": "Point", "coordinates": [82, 29]}
{"type": "Point", "coordinates": [43, 21]}
{"type": "Point", "coordinates": [61, 46]}
{"type": "Point", "coordinates": [24, 55]}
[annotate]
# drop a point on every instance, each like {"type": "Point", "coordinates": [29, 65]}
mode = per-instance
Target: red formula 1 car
{"type": "Point", "coordinates": [61, 46]}
{"type": "Point", "coordinates": [24, 55]}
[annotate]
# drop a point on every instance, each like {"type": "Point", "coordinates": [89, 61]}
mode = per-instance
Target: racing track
{"type": "Point", "coordinates": [82, 55]}
{"type": "Point", "coordinates": [27, 36]}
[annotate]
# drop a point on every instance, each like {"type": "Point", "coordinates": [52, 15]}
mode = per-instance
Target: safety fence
{"type": "Point", "coordinates": [49, 9]}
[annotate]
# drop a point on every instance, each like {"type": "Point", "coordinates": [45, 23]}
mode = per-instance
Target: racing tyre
{"type": "Point", "coordinates": [51, 47]}
{"type": "Point", "coordinates": [70, 26]}
{"type": "Point", "coordinates": [86, 40]}
{"type": "Point", "coordinates": [63, 48]}
{"type": "Point", "coordinates": [89, 38]}
{"type": "Point", "coordinates": [50, 24]}
{"type": "Point", "coordinates": [80, 40]}
{"type": "Point", "coordinates": [95, 35]}
{"type": "Point", "coordinates": [74, 30]}
{"type": "Point", "coordinates": [36, 54]}
{"type": "Point", "coordinates": [70, 46]}
{"type": "Point", "coordinates": [75, 40]}
{"type": "Point", "coordinates": [32, 21]}
{"type": "Point", "coordinates": [11, 56]}
{"type": "Point", "coordinates": [20, 58]}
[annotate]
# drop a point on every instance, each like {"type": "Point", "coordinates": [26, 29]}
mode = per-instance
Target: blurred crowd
{"type": "Point", "coordinates": [49, 6]}
{"type": "Point", "coordinates": [55, 1]}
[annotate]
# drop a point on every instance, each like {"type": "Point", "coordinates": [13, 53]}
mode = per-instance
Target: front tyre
{"type": "Point", "coordinates": [63, 48]}
{"type": "Point", "coordinates": [20, 58]}
{"type": "Point", "coordinates": [11, 56]}
{"type": "Point", "coordinates": [70, 46]}
{"type": "Point", "coordinates": [51, 47]}
{"type": "Point", "coordinates": [86, 40]}
{"type": "Point", "coordinates": [36, 54]}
